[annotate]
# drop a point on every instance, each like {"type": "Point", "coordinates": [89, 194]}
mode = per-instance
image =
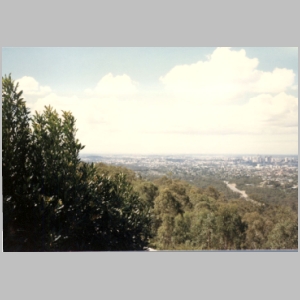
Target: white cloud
{"type": "Point", "coordinates": [109, 85]}
{"type": "Point", "coordinates": [172, 127]}
{"type": "Point", "coordinates": [186, 116]}
{"type": "Point", "coordinates": [277, 114]}
{"type": "Point", "coordinates": [225, 77]}
{"type": "Point", "coordinates": [31, 87]}
{"type": "Point", "coordinates": [57, 102]}
{"type": "Point", "coordinates": [273, 82]}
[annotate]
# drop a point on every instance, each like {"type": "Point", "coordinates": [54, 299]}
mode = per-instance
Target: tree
{"type": "Point", "coordinates": [204, 230]}
{"type": "Point", "coordinates": [16, 149]}
{"type": "Point", "coordinates": [56, 175]}
{"type": "Point", "coordinates": [182, 228]}
{"type": "Point", "coordinates": [179, 191]}
{"type": "Point", "coordinates": [230, 227]}
{"type": "Point", "coordinates": [147, 191]}
{"type": "Point", "coordinates": [165, 232]}
{"type": "Point", "coordinates": [257, 230]}
{"type": "Point", "coordinates": [114, 171]}
{"type": "Point", "coordinates": [52, 200]}
{"type": "Point", "coordinates": [166, 203]}
{"type": "Point", "coordinates": [212, 192]}
{"type": "Point", "coordinates": [284, 235]}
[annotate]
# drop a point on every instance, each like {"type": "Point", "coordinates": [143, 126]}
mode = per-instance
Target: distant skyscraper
{"type": "Point", "coordinates": [268, 159]}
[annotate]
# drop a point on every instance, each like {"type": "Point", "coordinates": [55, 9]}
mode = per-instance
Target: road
{"type": "Point", "coordinates": [232, 186]}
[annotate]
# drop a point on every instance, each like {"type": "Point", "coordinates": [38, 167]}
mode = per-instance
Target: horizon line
{"type": "Point", "coordinates": [186, 154]}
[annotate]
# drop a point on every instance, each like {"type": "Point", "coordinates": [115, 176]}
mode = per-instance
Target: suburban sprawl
{"type": "Point", "coordinates": [272, 170]}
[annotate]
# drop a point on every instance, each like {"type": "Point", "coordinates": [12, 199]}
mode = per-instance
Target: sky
{"type": "Point", "coordinates": [208, 100]}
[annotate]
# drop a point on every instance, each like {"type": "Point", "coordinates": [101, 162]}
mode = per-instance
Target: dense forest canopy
{"type": "Point", "coordinates": [52, 201]}
{"type": "Point", "coordinates": [187, 217]}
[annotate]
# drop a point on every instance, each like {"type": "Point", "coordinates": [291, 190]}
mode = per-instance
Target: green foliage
{"type": "Point", "coordinates": [165, 232]}
{"type": "Point", "coordinates": [182, 228]}
{"type": "Point", "coordinates": [275, 194]}
{"type": "Point", "coordinates": [147, 191]}
{"type": "Point", "coordinates": [212, 192]}
{"type": "Point", "coordinates": [230, 227]}
{"type": "Point", "coordinates": [284, 235]}
{"type": "Point", "coordinates": [114, 171]}
{"type": "Point", "coordinates": [167, 204]}
{"type": "Point", "coordinates": [204, 230]}
{"type": "Point", "coordinates": [210, 222]}
{"type": "Point", "coordinates": [16, 149]}
{"type": "Point", "coordinates": [53, 201]}
{"type": "Point", "coordinates": [258, 228]}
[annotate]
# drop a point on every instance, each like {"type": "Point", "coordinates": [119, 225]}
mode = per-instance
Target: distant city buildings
{"type": "Point", "coordinates": [283, 169]}
{"type": "Point", "coordinates": [267, 159]}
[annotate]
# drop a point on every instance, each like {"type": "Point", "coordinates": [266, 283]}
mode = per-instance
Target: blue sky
{"type": "Point", "coordinates": [167, 100]}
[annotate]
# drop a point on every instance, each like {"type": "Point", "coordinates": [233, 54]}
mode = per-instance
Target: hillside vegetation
{"type": "Point", "coordinates": [185, 217]}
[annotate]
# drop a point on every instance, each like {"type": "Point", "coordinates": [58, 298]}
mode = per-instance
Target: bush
{"type": "Point", "coordinates": [51, 200]}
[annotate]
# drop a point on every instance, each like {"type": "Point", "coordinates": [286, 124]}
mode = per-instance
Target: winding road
{"type": "Point", "coordinates": [232, 186]}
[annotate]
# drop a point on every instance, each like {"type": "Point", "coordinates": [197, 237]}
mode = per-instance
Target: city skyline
{"type": "Point", "coordinates": [233, 101]}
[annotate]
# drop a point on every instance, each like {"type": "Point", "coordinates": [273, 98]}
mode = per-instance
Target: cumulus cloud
{"type": "Point", "coordinates": [278, 114]}
{"type": "Point", "coordinates": [273, 82]}
{"type": "Point", "coordinates": [57, 102]}
{"type": "Point", "coordinates": [256, 113]}
{"type": "Point", "coordinates": [31, 87]}
{"type": "Point", "coordinates": [168, 126]}
{"type": "Point", "coordinates": [109, 86]}
{"type": "Point", "coordinates": [225, 77]}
